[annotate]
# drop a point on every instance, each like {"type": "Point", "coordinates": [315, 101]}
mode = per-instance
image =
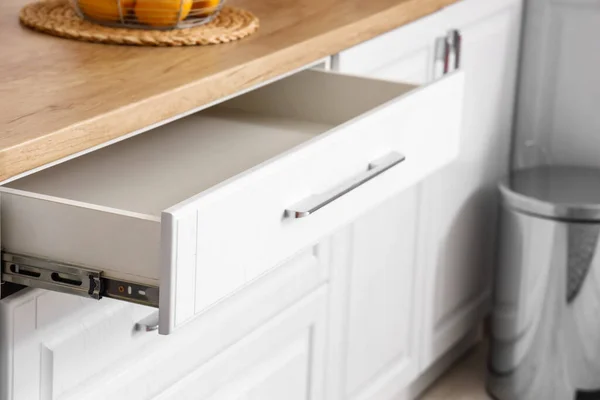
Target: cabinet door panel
{"type": "Point", "coordinates": [414, 68]}
{"type": "Point", "coordinates": [457, 208]}
{"type": "Point", "coordinates": [374, 346]}
{"type": "Point", "coordinates": [282, 376]}
{"type": "Point", "coordinates": [405, 54]}
{"type": "Point", "coordinates": [381, 290]}
{"type": "Point", "coordinates": [458, 218]}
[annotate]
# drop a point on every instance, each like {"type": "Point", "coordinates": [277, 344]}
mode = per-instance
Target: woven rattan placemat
{"type": "Point", "coordinates": [58, 18]}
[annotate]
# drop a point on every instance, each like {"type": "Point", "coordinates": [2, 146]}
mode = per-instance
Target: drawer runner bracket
{"type": "Point", "coordinates": [73, 279]}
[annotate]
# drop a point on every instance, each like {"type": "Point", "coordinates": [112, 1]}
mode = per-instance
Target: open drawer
{"type": "Point", "coordinates": [197, 208]}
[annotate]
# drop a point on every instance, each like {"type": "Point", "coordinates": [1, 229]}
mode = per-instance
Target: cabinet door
{"type": "Point", "coordinates": [405, 54]}
{"type": "Point", "coordinates": [458, 208]}
{"type": "Point", "coordinates": [374, 341]}
{"type": "Point", "coordinates": [457, 205]}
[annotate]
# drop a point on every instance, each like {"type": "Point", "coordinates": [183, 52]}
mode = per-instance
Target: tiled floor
{"type": "Point", "coordinates": [465, 381]}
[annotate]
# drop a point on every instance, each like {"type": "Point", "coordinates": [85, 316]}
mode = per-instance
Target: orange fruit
{"type": "Point", "coordinates": [162, 13]}
{"type": "Point", "coordinates": [204, 8]}
{"type": "Point", "coordinates": [105, 10]}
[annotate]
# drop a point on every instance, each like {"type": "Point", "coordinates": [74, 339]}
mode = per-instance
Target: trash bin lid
{"type": "Point", "coordinates": [556, 192]}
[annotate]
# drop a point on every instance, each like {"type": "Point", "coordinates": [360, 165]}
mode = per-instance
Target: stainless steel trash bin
{"type": "Point", "coordinates": [545, 330]}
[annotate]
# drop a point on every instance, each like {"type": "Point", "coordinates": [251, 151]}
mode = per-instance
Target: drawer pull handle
{"type": "Point", "coordinates": [447, 54]}
{"type": "Point", "coordinates": [315, 202]}
{"type": "Point", "coordinates": [148, 324]}
{"type": "Point", "coordinates": [454, 40]}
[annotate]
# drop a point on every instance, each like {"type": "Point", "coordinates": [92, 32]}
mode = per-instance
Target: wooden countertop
{"type": "Point", "coordinates": [59, 97]}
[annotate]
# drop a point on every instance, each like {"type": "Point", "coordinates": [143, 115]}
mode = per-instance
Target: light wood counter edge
{"type": "Point", "coordinates": [123, 121]}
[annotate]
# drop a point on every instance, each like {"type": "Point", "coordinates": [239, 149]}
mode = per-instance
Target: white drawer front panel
{"type": "Point", "coordinates": [280, 358]}
{"type": "Point", "coordinates": [242, 227]}
{"type": "Point", "coordinates": [271, 364]}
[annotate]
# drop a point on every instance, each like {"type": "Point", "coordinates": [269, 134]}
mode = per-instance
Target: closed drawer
{"type": "Point", "coordinates": [204, 205]}
{"type": "Point", "coordinates": [53, 342]}
{"type": "Point", "coordinates": [282, 359]}
{"type": "Point", "coordinates": [57, 346]}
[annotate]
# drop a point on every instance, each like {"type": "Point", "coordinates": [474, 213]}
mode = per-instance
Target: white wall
{"type": "Point", "coordinates": [558, 111]}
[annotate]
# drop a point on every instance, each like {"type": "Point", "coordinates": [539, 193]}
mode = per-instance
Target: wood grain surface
{"type": "Point", "coordinates": [59, 97]}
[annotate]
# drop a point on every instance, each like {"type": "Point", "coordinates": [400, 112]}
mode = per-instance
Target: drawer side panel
{"type": "Point", "coordinates": [124, 247]}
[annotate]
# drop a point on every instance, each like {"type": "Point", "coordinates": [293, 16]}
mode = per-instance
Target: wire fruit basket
{"type": "Point", "coordinates": [148, 14]}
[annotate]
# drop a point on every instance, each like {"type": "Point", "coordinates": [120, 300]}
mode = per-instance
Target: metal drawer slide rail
{"type": "Point", "coordinates": [73, 279]}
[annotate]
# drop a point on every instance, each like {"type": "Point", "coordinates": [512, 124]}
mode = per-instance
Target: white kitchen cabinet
{"type": "Point", "coordinates": [200, 216]}
{"type": "Point", "coordinates": [456, 205]}
{"type": "Point", "coordinates": [222, 209]}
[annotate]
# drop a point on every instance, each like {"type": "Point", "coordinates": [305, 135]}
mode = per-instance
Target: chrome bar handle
{"type": "Point", "coordinates": [447, 54]}
{"type": "Point", "coordinates": [312, 204]}
{"type": "Point", "coordinates": [440, 55]}
{"type": "Point", "coordinates": [454, 39]}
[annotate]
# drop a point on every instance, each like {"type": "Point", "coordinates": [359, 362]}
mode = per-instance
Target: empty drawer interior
{"type": "Point", "coordinates": [103, 209]}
